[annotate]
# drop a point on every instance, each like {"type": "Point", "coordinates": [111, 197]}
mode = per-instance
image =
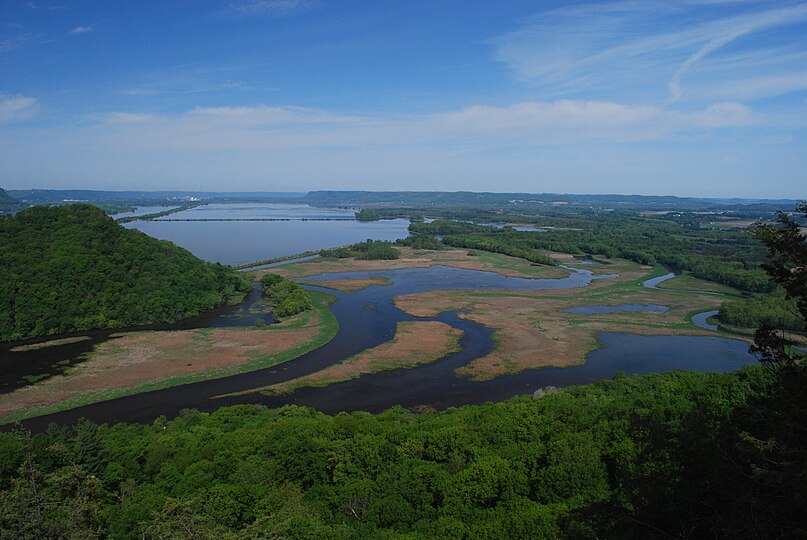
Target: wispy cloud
{"type": "Point", "coordinates": [652, 46]}
{"type": "Point", "coordinates": [14, 108]}
{"type": "Point", "coordinates": [525, 123]}
{"type": "Point", "coordinates": [528, 146]}
{"type": "Point", "coordinates": [80, 30]}
{"type": "Point", "coordinates": [274, 8]}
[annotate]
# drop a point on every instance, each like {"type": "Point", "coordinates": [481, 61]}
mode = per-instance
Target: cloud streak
{"type": "Point", "coordinates": [601, 48]}
{"type": "Point", "coordinates": [80, 30]}
{"type": "Point", "coordinates": [274, 8]}
{"type": "Point", "coordinates": [14, 108]}
{"type": "Point", "coordinates": [529, 123]}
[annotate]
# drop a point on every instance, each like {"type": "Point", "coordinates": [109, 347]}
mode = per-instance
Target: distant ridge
{"type": "Point", "coordinates": [467, 198]}
{"type": "Point", "coordinates": [407, 198]}
{"type": "Point", "coordinates": [40, 196]}
{"type": "Point", "coordinates": [8, 203]}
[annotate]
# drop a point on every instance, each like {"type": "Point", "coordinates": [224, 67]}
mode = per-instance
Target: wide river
{"type": "Point", "coordinates": [239, 242]}
{"type": "Point", "coordinates": [368, 318]}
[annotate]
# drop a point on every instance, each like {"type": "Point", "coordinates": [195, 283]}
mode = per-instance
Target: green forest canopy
{"type": "Point", "coordinates": [72, 268]}
{"type": "Point", "coordinates": [659, 456]}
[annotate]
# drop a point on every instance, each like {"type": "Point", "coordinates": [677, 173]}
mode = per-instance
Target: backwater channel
{"type": "Point", "coordinates": [368, 318]}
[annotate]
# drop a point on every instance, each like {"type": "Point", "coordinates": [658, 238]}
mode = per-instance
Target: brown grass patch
{"type": "Point", "coordinates": [142, 357]}
{"type": "Point", "coordinates": [351, 285]}
{"type": "Point", "coordinates": [561, 256]}
{"type": "Point", "coordinates": [414, 343]}
{"type": "Point", "coordinates": [410, 258]}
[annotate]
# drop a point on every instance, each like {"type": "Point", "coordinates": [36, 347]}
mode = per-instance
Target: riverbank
{"type": "Point", "coordinates": [137, 362]}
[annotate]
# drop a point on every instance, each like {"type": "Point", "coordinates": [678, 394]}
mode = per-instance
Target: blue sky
{"type": "Point", "coordinates": [684, 97]}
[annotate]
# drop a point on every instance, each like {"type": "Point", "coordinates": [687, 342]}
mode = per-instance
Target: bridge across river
{"type": "Point", "coordinates": [257, 219]}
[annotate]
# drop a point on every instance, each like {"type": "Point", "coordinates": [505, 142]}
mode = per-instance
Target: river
{"type": "Point", "coordinates": [433, 384]}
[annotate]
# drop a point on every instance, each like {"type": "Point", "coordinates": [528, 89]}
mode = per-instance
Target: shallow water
{"type": "Point", "coordinates": [699, 320]}
{"type": "Point", "coordinates": [654, 282]}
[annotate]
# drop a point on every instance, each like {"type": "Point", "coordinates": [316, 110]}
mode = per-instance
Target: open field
{"type": "Point", "coordinates": [688, 282]}
{"type": "Point", "coordinates": [142, 361]}
{"type": "Point", "coordinates": [414, 343]}
{"type": "Point", "coordinates": [410, 258]}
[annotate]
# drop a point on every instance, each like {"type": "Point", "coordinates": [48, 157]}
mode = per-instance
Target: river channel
{"type": "Point", "coordinates": [368, 318]}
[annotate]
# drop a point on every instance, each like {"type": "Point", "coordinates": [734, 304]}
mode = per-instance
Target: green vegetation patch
{"type": "Point", "coordinates": [371, 250]}
{"type": "Point", "coordinates": [72, 268]}
{"type": "Point", "coordinates": [286, 297]}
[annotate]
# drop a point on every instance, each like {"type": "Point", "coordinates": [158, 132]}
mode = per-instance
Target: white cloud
{"type": "Point", "coordinates": [80, 30]}
{"type": "Point", "coordinates": [274, 8]}
{"type": "Point", "coordinates": [528, 123]}
{"type": "Point", "coordinates": [14, 108]}
{"type": "Point", "coordinates": [562, 145]}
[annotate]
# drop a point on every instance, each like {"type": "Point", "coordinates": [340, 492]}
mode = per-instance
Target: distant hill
{"type": "Point", "coordinates": [8, 203]}
{"type": "Point", "coordinates": [72, 268]}
{"type": "Point", "coordinates": [505, 200]}
{"type": "Point", "coordinates": [59, 196]}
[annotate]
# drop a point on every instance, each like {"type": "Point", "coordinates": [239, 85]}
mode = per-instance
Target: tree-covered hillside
{"type": "Point", "coordinates": [73, 268]}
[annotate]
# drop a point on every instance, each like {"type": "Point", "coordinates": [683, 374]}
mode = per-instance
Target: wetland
{"type": "Point", "coordinates": [433, 328]}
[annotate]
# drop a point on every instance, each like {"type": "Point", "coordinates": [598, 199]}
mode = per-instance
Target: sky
{"type": "Point", "coordinates": [704, 98]}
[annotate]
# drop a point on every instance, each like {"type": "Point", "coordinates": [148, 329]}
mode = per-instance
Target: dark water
{"type": "Point", "coordinates": [20, 368]}
{"type": "Point", "coordinates": [437, 386]}
{"type": "Point", "coordinates": [239, 242]}
{"type": "Point", "coordinates": [621, 308]}
{"type": "Point", "coordinates": [433, 384]}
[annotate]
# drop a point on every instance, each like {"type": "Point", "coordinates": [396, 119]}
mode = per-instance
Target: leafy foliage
{"type": "Point", "coordinates": [73, 268]}
{"type": "Point", "coordinates": [419, 241]}
{"type": "Point", "coordinates": [651, 457]}
{"type": "Point", "coordinates": [773, 310]}
{"type": "Point", "coordinates": [287, 297]}
{"type": "Point", "coordinates": [729, 258]}
{"type": "Point", "coordinates": [369, 250]}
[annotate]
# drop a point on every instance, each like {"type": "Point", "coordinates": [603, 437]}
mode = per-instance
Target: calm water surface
{"type": "Point", "coordinates": [700, 320]}
{"type": "Point", "coordinates": [239, 242]}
